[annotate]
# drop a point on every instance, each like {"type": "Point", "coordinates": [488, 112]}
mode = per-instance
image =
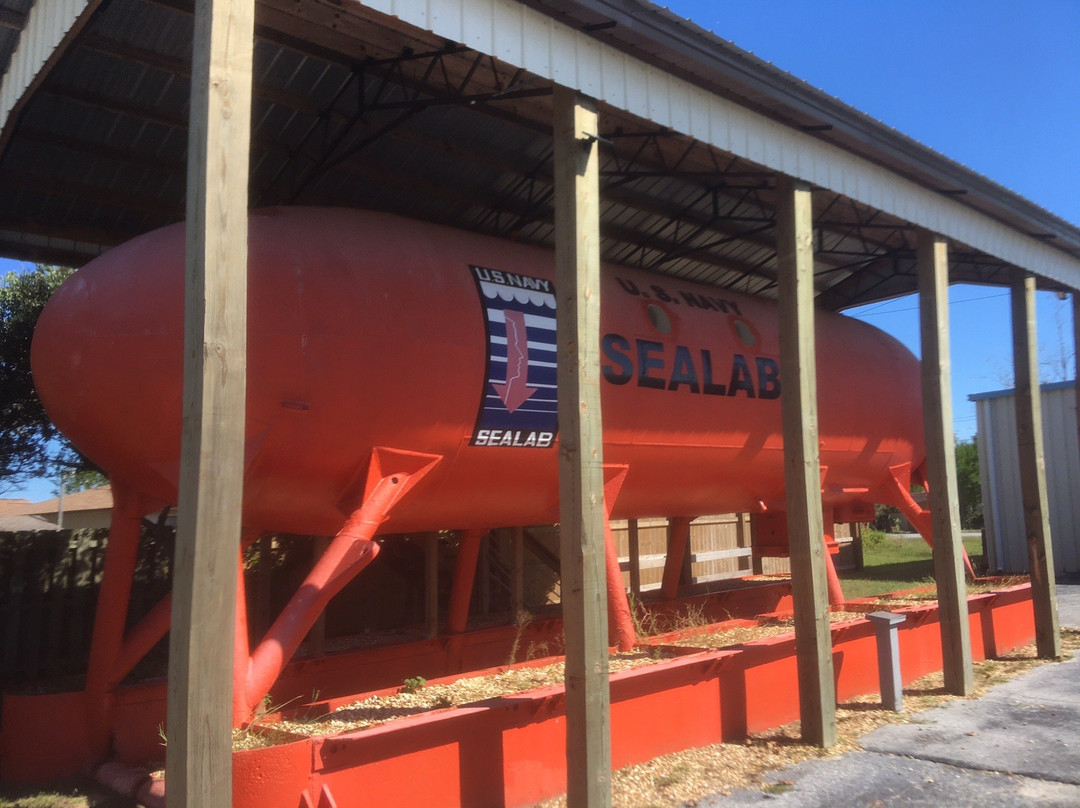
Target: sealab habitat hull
{"type": "Point", "coordinates": [368, 330]}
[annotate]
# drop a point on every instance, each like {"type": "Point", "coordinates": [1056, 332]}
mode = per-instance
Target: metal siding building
{"type": "Point", "coordinates": [999, 470]}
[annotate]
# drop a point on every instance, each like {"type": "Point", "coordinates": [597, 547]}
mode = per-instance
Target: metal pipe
{"type": "Point", "coordinates": [457, 618]}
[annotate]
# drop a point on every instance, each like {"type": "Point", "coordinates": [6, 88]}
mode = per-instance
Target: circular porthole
{"type": "Point", "coordinates": [744, 332]}
{"type": "Point", "coordinates": [659, 318]}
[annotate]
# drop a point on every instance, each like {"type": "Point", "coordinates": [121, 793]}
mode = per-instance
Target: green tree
{"type": "Point", "coordinates": [80, 479]}
{"type": "Point", "coordinates": [30, 446]}
{"type": "Point", "coordinates": [969, 485]}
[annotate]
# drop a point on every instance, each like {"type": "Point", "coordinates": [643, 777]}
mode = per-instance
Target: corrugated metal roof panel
{"type": "Point", "coordinates": [105, 139]}
{"type": "Point", "coordinates": [575, 61]}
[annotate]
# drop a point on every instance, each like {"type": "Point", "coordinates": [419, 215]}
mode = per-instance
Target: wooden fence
{"type": "Point", "coordinates": [49, 583]}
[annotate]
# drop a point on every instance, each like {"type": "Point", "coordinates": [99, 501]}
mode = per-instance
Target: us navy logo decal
{"type": "Point", "coordinates": [518, 405]}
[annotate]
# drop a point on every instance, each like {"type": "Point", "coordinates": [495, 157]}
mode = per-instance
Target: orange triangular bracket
{"type": "Point", "coordinates": [326, 799]}
{"type": "Point", "coordinates": [384, 464]}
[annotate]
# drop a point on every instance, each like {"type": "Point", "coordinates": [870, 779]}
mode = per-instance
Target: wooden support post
{"type": "Point", "coordinates": [431, 585]}
{"type": "Point", "coordinates": [1033, 467]}
{"type": "Point", "coordinates": [686, 577]}
{"type": "Point", "coordinates": [742, 538]}
{"type": "Point", "coordinates": [932, 258]}
{"type": "Point", "coordinates": [517, 578]}
{"type": "Point", "coordinates": [581, 475]}
{"type": "Point", "coordinates": [635, 559]}
{"type": "Point", "coordinates": [199, 755]}
{"type": "Point", "coordinates": [802, 468]}
{"type": "Point", "coordinates": [757, 561]}
{"type": "Point", "coordinates": [485, 574]}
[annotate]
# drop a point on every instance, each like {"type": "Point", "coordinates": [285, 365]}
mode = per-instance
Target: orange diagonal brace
{"type": "Point", "coordinates": [391, 475]}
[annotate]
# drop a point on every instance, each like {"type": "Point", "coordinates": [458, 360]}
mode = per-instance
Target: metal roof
{"type": "Point", "coordinates": [1048, 387]}
{"type": "Point", "coordinates": [358, 108]}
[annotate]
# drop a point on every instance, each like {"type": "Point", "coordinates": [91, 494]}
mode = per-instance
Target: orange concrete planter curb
{"type": "Point", "coordinates": [511, 751]}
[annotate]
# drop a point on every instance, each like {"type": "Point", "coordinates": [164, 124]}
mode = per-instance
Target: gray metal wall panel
{"type": "Point", "coordinates": [999, 466]}
{"type": "Point", "coordinates": [570, 57]}
{"type": "Point", "coordinates": [1063, 476]}
{"type": "Point", "coordinates": [986, 477]}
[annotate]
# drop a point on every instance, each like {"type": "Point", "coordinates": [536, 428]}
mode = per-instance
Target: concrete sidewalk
{"type": "Point", "coordinates": [1018, 745]}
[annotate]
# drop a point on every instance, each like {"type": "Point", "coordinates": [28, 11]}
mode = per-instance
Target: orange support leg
{"type": "Point", "coordinates": [900, 496]}
{"type": "Point", "coordinates": [678, 541]}
{"type": "Point", "coordinates": [457, 618]}
{"type": "Point", "coordinates": [107, 641]}
{"type": "Point", "coordinates": [391, 475]}
{"type": "Point", "coordinates": [620, 620]}
{"type": "Point", "coordinates": [836, 593]}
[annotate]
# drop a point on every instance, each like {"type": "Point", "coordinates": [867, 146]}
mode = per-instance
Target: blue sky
{"type": "Point", "coordinates": [990, 84]}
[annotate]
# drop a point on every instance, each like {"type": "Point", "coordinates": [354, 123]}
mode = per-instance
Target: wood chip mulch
{"type": "Point", "coordinates": [685, 776]}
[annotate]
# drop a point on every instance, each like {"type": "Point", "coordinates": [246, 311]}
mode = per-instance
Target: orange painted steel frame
{"type": "Point", "coordinates": [137, 713]}
{"type": "Point", "coordinates": [512, 751]}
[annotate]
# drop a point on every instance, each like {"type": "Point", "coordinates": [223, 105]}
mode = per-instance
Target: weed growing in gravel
{"type": "Point", "coordinates": [413, 685]}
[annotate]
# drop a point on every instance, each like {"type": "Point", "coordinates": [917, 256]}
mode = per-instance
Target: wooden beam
{"type": "Point", "coordinates": [802, 475]}
{"type": "Point", "coordinates": [517, 573]}
{"type": "Point", "coordinates": [485, 574]}
{"type": "Point", "coordinates": [581, 476]}
{"type": "Point", "coordinates": [933, 267]}
{"type": "Point", "coordinates": [1033, 467]}
{"type": "Point", "coordinates": [757, 561]}
{"type": "Point", "coordinates": [80, 145]}
{"type": "Point", "coordinates": [199, 754]}
{"type": "Point", "coordinates": [550, 559]}
{"type": "Point", "coordinates": [431, 585]}
{"type": "Point", "coordinates": [37, 182]}
{"type": "Point", "coordinates": [742, 539]}
{"type": "Point", "coordinates": [635, 559]}
{"type": "Point", "coordinates": [147, 57]}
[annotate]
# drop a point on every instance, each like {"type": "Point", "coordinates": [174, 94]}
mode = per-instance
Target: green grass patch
{"type": "Point", "coordinates": [74, 792]}
{"type": "Point", "coordinates": [44, 800]}
{"type": "Point", "coordinates": [891, 563]}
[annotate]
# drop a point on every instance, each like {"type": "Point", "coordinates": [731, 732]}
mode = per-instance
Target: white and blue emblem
{"type": "Point", "coordinates": [519, 406]}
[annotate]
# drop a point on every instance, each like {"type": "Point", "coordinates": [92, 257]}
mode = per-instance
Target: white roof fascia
{"type": "Point", "coordinates": [50, 27]}
{"type": "Point", "coordinates": [526, 38]}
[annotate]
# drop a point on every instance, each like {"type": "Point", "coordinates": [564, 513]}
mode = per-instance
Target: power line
{"type": "Point", "coordinates": [872, 312]}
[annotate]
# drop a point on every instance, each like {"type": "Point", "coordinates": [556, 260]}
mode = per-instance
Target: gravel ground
{"type": "Point", "coordinates": [686, 777]}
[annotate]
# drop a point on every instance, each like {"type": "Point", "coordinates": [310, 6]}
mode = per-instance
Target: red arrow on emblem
{"type": "Point", "coordinates": [516, 390]}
